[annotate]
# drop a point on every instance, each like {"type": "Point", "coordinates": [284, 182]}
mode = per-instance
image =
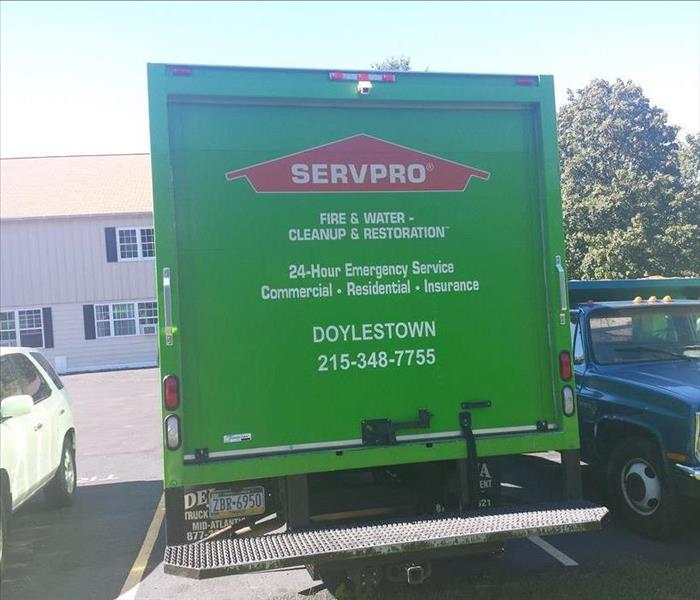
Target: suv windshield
{"type": "Point", "coordinates": [622, 335]}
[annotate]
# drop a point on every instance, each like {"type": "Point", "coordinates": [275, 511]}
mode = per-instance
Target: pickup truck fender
{"type": "Point", "coordinates": [609, 430]}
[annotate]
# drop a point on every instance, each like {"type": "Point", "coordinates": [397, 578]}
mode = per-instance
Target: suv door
{"type": "Point", "coordinates": [44, 453]}
{"type": "Point", "coordinates": [57, 406]}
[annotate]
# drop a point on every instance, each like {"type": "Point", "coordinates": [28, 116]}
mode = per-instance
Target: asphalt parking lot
{"type": "Point", "coordinates": [110, 543]}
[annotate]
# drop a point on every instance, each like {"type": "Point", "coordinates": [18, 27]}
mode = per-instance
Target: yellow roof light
{"type": "Point", "coordinates": [637, 300]}
{"type": "Point", "coordinates": [668, 298]}
{"type": "Point", "coordinates": [652, 299]}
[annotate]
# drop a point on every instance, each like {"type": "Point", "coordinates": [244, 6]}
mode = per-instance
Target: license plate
{"type": "Point", "coordinates": [241, 503]}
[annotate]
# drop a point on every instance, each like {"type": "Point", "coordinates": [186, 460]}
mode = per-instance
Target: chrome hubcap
{"type": "Point", "coordinates": [641, 487]}
{"type": "Point", "coordinates": [68, 471]}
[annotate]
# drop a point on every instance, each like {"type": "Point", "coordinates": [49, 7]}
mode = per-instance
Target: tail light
{"type": "Point", "coordinates": [567, 398]}
{"type": "Point", "coordinates": [565, 365]}
{"type": "Point", "coordinates": [171, 392]}
{"type": "Point", "coordinates": [172, 432]}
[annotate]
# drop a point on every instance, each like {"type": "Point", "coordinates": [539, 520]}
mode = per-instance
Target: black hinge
{"type": "Point", "coordinates": [542, 426]}
{"type": "Point", "coordinates": [201, 453]}
{"type": "Point", "coordinates": [382, 432]}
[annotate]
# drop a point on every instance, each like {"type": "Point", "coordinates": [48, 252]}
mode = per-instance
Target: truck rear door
{"type": "Point", "coordinates": [338, 261]}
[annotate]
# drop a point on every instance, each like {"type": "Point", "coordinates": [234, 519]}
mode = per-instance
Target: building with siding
{"type": "Point", "coordinates": [77, 269]}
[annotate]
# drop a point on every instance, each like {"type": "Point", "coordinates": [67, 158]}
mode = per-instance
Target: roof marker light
{"type": "Point", "coordinates": [525, 81]}
{"type": "Point", "coordinates": [180, 71]}
{"type": "Point", "coordinates": [637, 300]}
{"type": "Point", "coordinates": [652, 300]}
{"type": "Point", "coordinates": [668, 298]}
{"type": "Point", "coordinates": [377, 77]}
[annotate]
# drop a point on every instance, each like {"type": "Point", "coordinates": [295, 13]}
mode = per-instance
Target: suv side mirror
{"type": "Point", "coordinates": [16, 406]}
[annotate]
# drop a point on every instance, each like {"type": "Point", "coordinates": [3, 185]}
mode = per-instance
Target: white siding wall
{"type": "Point", "coordinates": [99, 354]}
{"type": "Point", "coordinates": [62, 263]}
{"type": "Point", "coordinates": [64, 260]}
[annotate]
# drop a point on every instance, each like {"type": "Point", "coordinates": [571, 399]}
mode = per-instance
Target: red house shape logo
{"type": "Point", "coordinates": [360, 163]}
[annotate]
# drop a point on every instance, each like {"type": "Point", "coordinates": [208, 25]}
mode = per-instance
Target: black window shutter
{"type": "Point", "coordinates": [48, 327]}
{"type": "Point", "coordinates": [111, 243]}
{"type": "Point", "coordinates": [89, 321]}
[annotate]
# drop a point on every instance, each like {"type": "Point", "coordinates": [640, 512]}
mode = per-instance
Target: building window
{"type": "Point", "coordinates": [123, 319]}
{"type": "Point", "coordinates": [103, 325]}
{"type": "Point", "coordinates": [148, 247]}
{"type": "Point", "coordinates": [8, 329]}
{"type": "Point", "coordinates": [25, 325]}
{"type": "Point", "coordinates": [148, 317]}
{"type": "Point", "coordinates": [119, 319]}
{"type": "Point", "coordinates": [136, 244]}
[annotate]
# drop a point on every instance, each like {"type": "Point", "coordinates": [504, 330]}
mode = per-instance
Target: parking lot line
{"type": "Point", "coordinates": [565, 560]}
{"type": "Point", "coordinates": [131, 585]}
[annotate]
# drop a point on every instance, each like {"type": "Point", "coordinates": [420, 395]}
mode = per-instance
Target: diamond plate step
{"type": "Point", "coordinates": [241, 555]}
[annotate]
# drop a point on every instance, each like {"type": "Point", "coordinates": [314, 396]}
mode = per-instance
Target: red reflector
{"type": "Point", "coordinates": [171, 392]}
{"type": "Point", "coordinates": [336, 76]}
{"type": "Point", "coordinates": [565, 365]}
{"type": "Point", "coordinates": [525, 81]}
{"type": "Point", "coordinates": [388, 77]}
{"type": "Point", "coordinates": [362, 77]}
{"type": "Point", "coordinates": [181, 71]}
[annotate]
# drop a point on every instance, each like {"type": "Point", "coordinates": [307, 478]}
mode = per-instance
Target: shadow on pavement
{"type": "Point", "coordinates": [83, 551]}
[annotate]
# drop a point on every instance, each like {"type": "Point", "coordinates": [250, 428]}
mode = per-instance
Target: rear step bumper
{"type": "Point", "coordinates": [243, 555]}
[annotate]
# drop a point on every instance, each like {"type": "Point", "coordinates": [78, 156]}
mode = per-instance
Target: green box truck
{"type": "Point", "coordinates": [362, 300]}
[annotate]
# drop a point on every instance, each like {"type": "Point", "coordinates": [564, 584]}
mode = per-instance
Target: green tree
{"type": "Point", "coordinates": [393, 63]}
{"type": "Point", "coordinates": [689, 162]}
{"type": "Point", "coordinates": [629, 210]}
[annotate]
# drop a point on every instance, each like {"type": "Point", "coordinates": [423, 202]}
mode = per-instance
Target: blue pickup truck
{"type": "Point", "coordinates": [637, 370]}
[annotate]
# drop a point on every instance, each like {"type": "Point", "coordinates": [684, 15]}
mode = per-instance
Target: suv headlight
{"type": "Point", "coordinates": [697, 436]}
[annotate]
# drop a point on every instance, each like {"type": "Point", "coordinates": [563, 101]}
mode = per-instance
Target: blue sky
{"type": "Point", "coordinates": [73, 74]}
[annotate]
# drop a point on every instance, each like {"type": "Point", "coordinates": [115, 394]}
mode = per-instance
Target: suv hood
{"type": "Point", "coordinates": [680, 378]}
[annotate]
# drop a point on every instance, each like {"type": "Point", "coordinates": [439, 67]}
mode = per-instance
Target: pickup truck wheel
{"type": "Point", "coordinates": [640, 491]}
{"type": "Point", "coordinates": [61, 489]}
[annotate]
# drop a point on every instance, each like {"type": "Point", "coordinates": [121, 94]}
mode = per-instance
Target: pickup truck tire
{"type": "Point", "coordinates": [61, 489]}
{"type": "Point", "coordinates": [640, 490]}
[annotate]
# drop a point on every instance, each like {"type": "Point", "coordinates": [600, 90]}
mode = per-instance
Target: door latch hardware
{"type": "Point", "coordinates": [382, 432]}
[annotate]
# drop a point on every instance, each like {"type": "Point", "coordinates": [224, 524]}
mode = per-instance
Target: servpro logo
{"type": "Point", "coordinates": [360, 163]}
{"type": "Point", "coordinates": [319, 173]}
